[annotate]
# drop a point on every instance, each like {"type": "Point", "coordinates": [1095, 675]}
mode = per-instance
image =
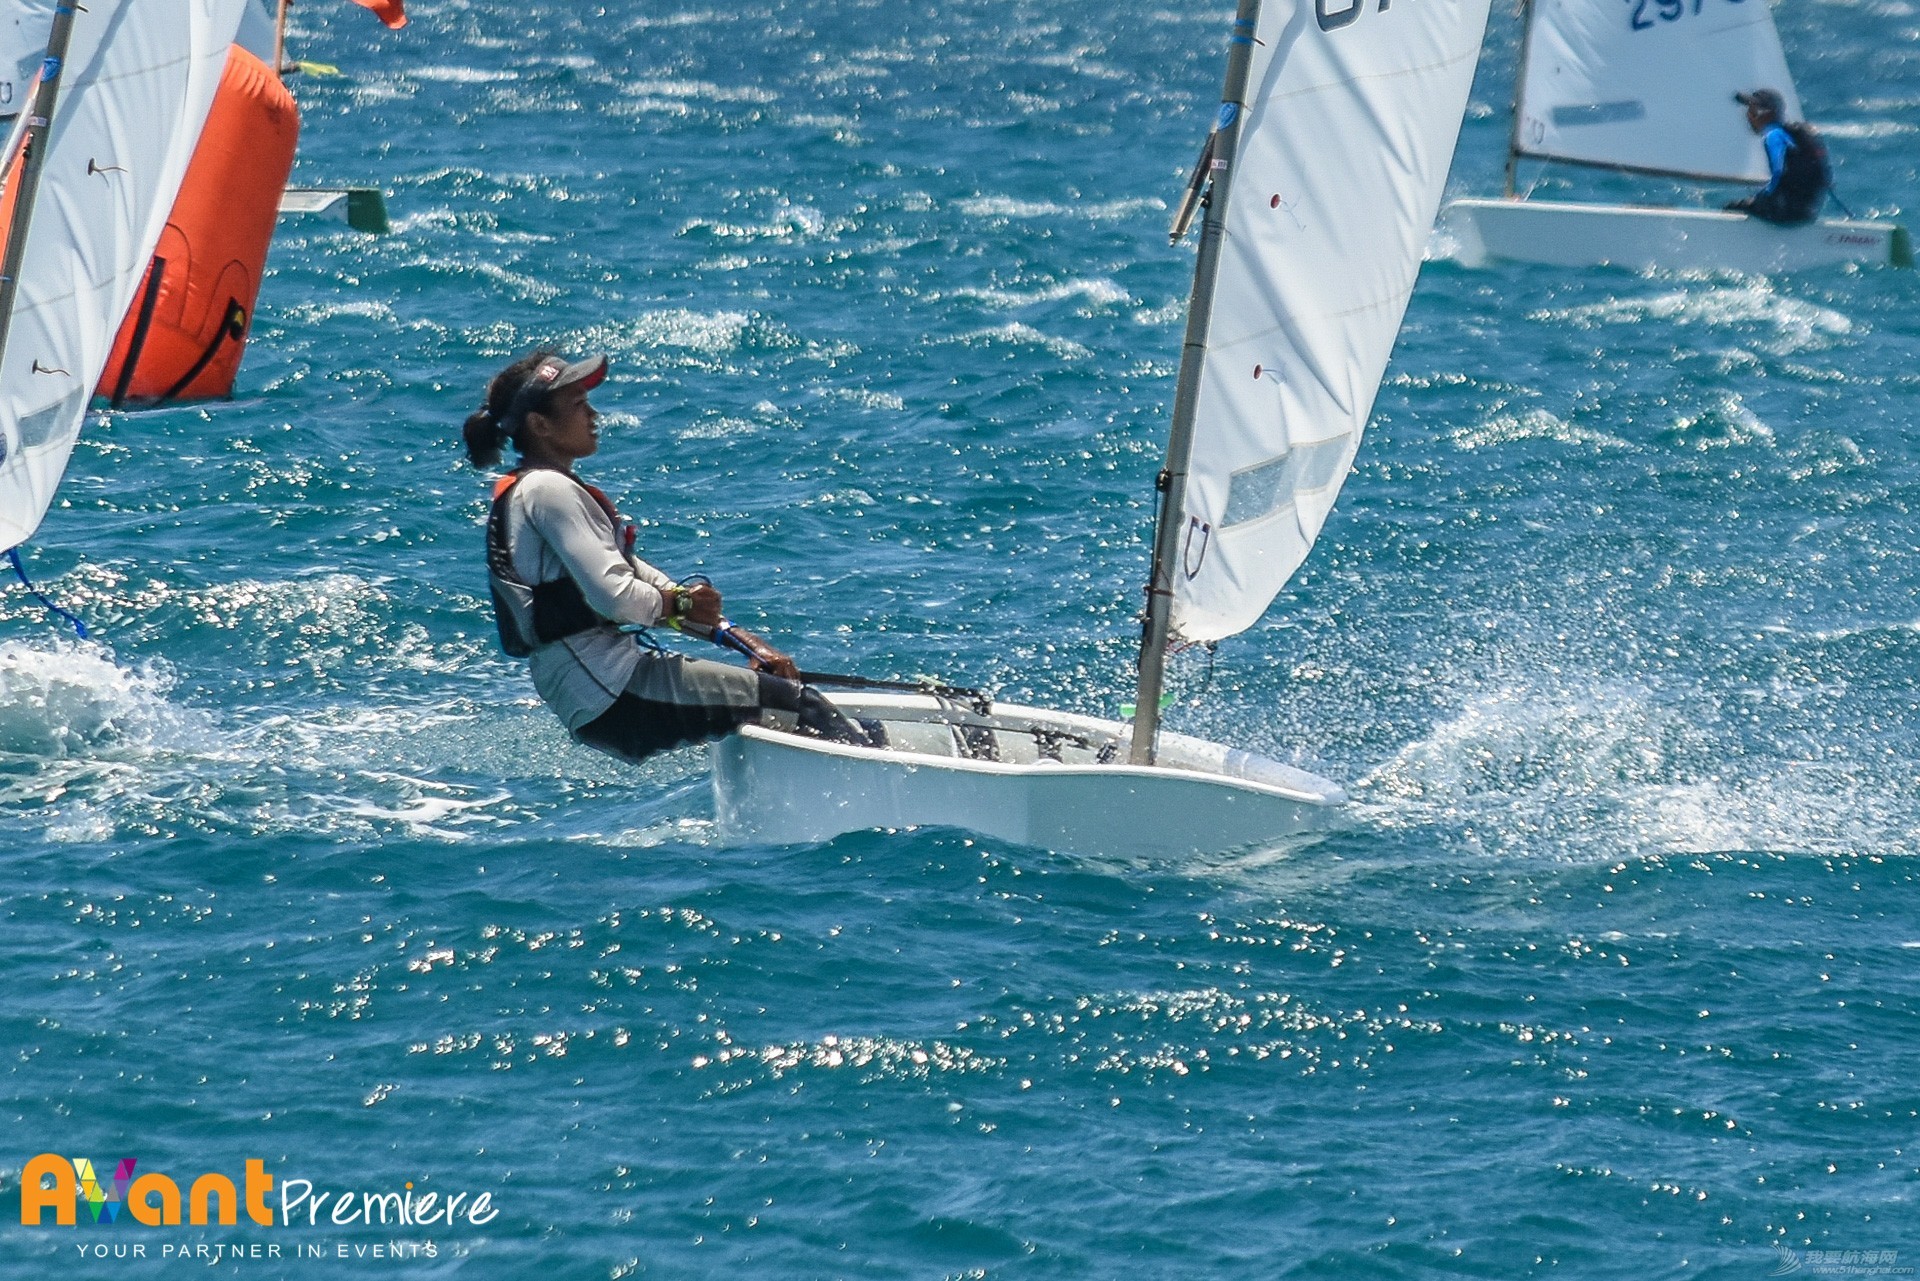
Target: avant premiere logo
{"type": "Point", "coordinates": [212, 1199]}
{"type": "Point", "coordinates": [64, 1184]}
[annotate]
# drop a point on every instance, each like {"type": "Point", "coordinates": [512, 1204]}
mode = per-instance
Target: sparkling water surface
{"type": "Point", "coordinates": [1613, 636]}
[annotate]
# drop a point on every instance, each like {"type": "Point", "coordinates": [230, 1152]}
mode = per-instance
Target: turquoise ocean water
{"type": "Point", "coordinates": [1613, 636]}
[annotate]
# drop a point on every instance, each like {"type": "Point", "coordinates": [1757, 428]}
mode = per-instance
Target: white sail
{"type": "Point", "coordinates": [1352, 116]}
{"type": "Point", "coordinates": [256, 31]}
{"type": "Point", "coordinates": [1649, 85]}
{"type": "Point", "coordinates": [138, 80]}
{"type": "Point", "coordinates": [23, 42]}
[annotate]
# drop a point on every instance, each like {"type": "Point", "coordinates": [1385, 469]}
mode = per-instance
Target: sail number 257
{"type": "Point", "coordinates": [1334, 19]}
{"type": "Point", "coordinates": [1665, 10]}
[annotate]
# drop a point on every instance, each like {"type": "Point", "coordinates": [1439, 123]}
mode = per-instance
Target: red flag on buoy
{"type": "Point", "coordinates": [391, 12]}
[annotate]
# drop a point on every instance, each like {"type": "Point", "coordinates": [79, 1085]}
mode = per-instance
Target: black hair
{"type": "Point", "coordinates": [488, 430]}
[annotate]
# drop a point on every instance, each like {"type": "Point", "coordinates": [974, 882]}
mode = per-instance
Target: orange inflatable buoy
{"type": "Point", "coordinates": [183, 336]}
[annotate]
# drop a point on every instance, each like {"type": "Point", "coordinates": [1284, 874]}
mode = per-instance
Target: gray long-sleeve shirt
{"type": "Point", "coordinates": [556, 530]}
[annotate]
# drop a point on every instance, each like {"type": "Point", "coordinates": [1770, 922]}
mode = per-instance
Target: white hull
{"type": "Point", "coordinates": [1561, 234]}
{"type": "Point", "coordinates": [779, 788]}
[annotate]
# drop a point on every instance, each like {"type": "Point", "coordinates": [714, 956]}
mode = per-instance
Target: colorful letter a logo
{"type": "Point", "coordinates": [100, 1203]}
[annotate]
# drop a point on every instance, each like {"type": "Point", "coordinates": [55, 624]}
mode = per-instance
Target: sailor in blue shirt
{"type": "Point", "coordinates": [1796, 161]}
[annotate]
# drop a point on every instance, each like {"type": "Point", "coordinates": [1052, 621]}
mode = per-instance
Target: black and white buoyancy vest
{"type": "Point", "coordinates": [530, 615]}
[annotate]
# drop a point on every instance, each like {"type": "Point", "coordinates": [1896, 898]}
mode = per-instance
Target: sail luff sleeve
{"type": "Point", "coordinates": [1221, 149]}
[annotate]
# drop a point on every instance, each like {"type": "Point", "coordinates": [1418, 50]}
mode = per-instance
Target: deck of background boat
{"type": "Point", "coordinates": [1566, 234]}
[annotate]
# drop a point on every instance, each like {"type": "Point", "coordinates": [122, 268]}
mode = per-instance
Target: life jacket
{"type": "Point", "coordinates": [1805, 175]}
{"type": "Point", "coordinates": [530, 615]}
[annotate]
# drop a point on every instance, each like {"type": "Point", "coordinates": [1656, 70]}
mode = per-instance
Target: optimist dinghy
{"type": "Point", "coordinates": [1647, 86]}
{"type": "Point", "coordinates": [1319, 182]}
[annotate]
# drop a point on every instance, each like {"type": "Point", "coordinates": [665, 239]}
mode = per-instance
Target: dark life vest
{"type": "Point", "coordinates": [1805, 175]}
{"type": "Point", "coordinates": [530, 615]}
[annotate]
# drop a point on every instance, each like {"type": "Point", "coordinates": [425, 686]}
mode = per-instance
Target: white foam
{"type": "Point", "coordinates": [1533, 424]}
{"type": "Point", "coordinates": [1868, 129]}
{"type": "Point", "coordinates": [710, 333]}
{"type": "Point", "coordinates": [1611, 770]}
{"type": "Point", "coordinates": [1098, 292]}
{"type": "Point", "coordinates": [422, 806]}
{"type": "Point", "coordinates": [1727, 423]}
{"type": "Point", "coordinates": [690, 18]}
{"type": "Point", "coordinates": [789, 222]}
{"type": "Point", "coordinates": [1443, 245]}
{"type": "Point", "coordinates": [66, 699]}
{"type": "Point", "coordinates": [1796, 325]}
{"type": "Point", "coordinates": [463, 75]}
{"type": "Point", "coordinates": [699, 90]}
{"type": "Point", "coordinates": [360, 308]}
{"type": "Point", "coordinates": [1097, 211]}
{"type": "Point", "coordinates": [1166, 314]}
{"type": "Point", "coordinates": [862, 397]}
{"type": "Point", "coordinates": [1515, 742]}
{"type": "Point", "coordinates": [1019, 335]}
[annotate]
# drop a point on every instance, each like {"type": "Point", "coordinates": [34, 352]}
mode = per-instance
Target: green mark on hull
{"type": "Point", "coordinates": [367, 210]}
{"type": "Point", "coordinates": [1902, 255]}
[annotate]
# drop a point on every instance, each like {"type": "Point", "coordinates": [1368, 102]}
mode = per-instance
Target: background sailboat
{"type": "Point", "coordinates": [116, 116]}
{"type": "Point", "coordinates": [1326, 165]}
{"type": "Point", "coordinates": [1647, 86]}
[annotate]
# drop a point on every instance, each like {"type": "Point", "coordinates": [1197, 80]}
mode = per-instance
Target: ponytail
{"type": "Point", "coordinates": [486, 438]}
{"type": "Point", "coordinates": [488, 431]}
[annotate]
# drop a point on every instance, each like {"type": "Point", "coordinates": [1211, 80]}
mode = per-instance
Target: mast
{"type": "Point", "coordinates": [39, 123]}
{"type": "Point", "coordinates": [280, 38]}
{"type": "Point", "coordinates": [1519, 86]}
{"type": "Point", "coordinates": [1222, 148]}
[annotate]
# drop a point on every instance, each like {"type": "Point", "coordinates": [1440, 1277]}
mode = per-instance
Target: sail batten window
{"type": "Point", "coordinates": [42, 425]}
{"type": "Point", "coordinates": [1599, 113]}
{"type": "Point", "coordinates": [1264, 488]}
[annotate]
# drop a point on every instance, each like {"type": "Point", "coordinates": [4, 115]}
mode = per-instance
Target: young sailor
{"type": "Point", "coordinates": [1796, 160]}
{"type": "Point", "coordinates": [565, 580]}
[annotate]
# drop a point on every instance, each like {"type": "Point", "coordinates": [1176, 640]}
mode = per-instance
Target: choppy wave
{"type": "Point", "coordinates": [1023, 335]}
{"type": "Point", "coordinates": [1791, 324]}
{"type": "Point", "coordinates": [71, 700]}
{"type": "Point", "coordinates": [465, 75]}
{"type": "Point", "coordinates": [699, 90]}
{"type": "Point", "coordinates": [1534, 424]}
{"type": "Point", "coordinates": [1095, 293]}
{"type": "Point", "coordinates": [1097, 211]}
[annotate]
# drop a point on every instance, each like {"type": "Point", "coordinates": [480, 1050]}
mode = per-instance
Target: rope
{"type": "Point", "coordinates": [79, 628]}
{"type": "Point", "coordinates": [233, 326]}
{"type": "Point", "coordinates": [977, 699]}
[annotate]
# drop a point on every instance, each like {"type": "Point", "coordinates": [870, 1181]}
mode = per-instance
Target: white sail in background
{"type": "Point", "coordinates": [1352, 117]}
{"type": "Point", "coordinates": [1649, 85]}
{"type": "Point", "coordinates": [139, 78]}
